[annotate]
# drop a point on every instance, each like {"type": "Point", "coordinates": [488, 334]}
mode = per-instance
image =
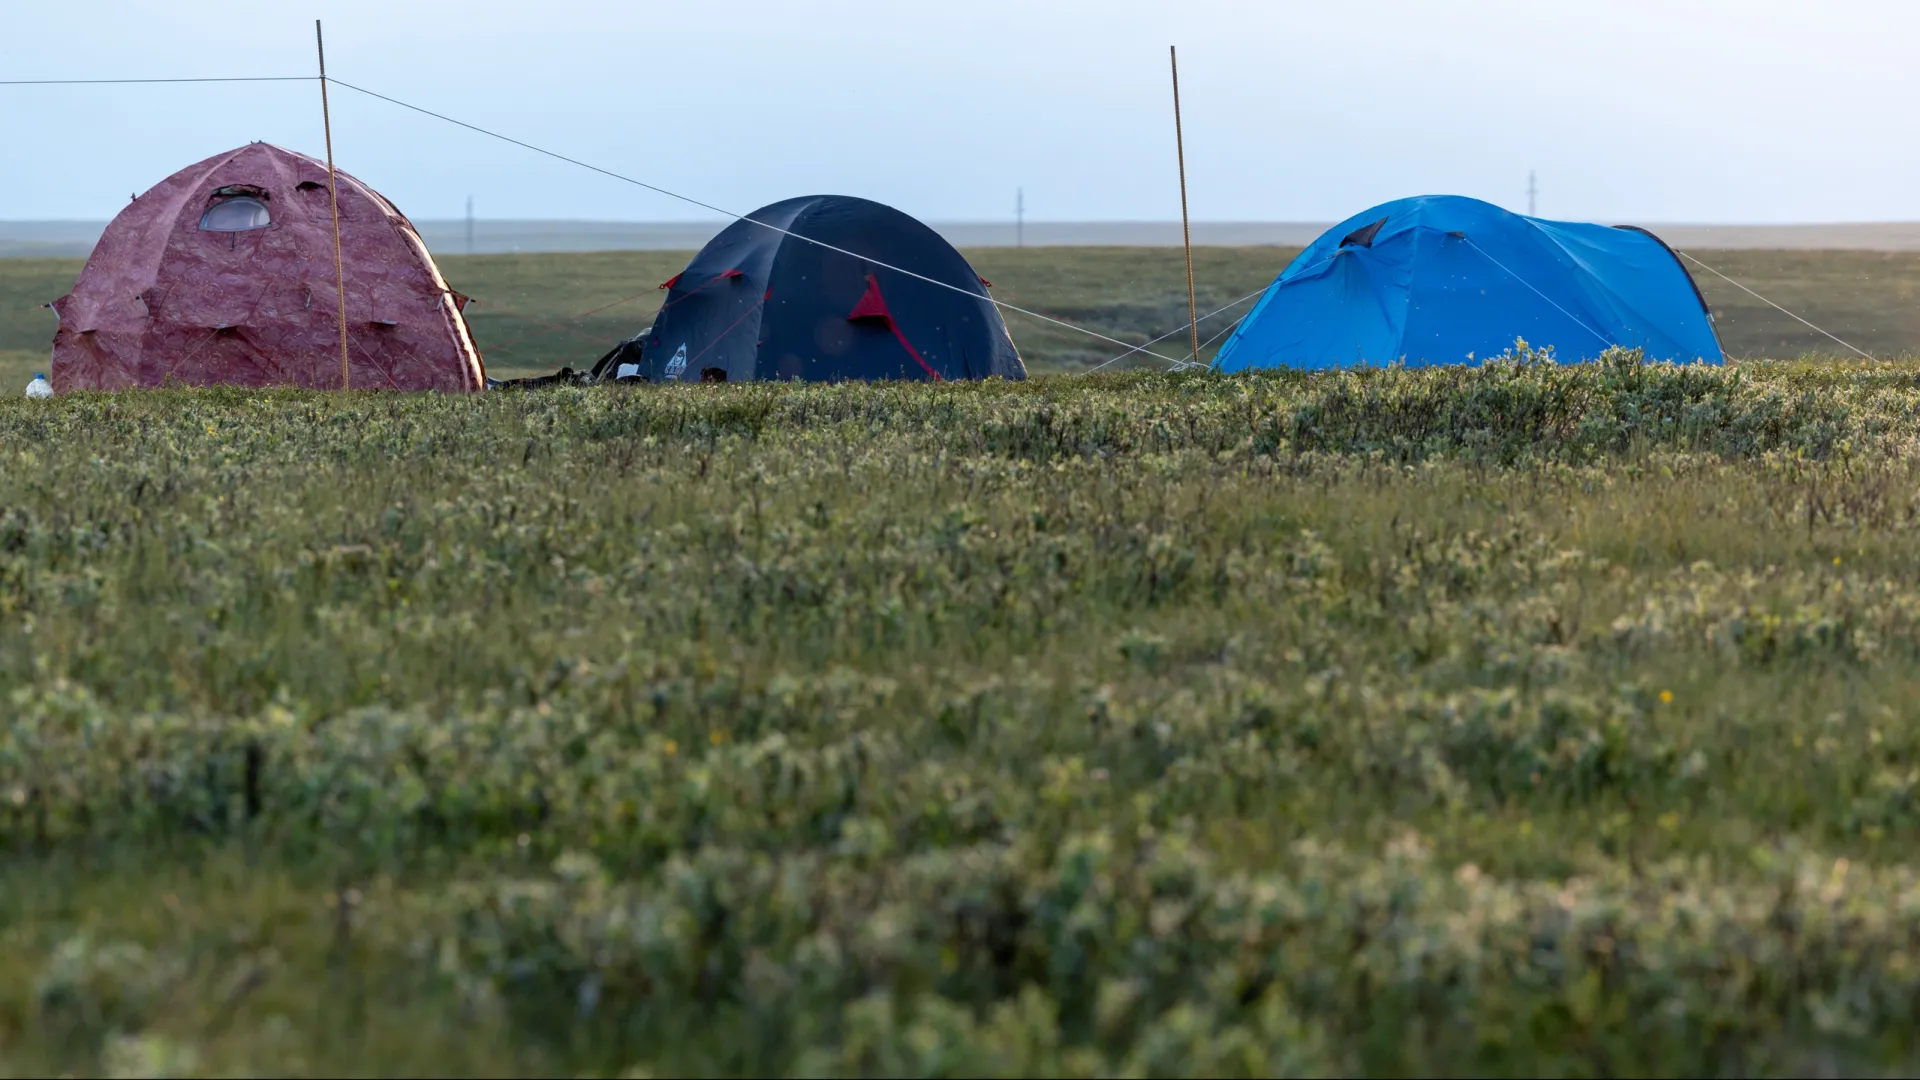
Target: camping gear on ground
{"type": "Point", "coordinates": [620, 365]}
{"type": "Point", "coordinates": [622, 362]}
{"type": "Point", "coordinates": [39, 387]}
{"type": "Point", "coordinates": [761, 303]}
{"type": "Point", "coordinates": [224, 273]}
{"type": "Point", "coordinates": [1443, 279]}
{"type": "Point", "coordinates": [566, 376]}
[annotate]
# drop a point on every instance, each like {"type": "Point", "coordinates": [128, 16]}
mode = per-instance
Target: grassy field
{"type": "Point", "coordinates": [1519, 721]}
{"type": "Point", "coordinates": [537, 313]}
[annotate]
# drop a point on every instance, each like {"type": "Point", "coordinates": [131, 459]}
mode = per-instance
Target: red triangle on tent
{"type": "Point", "coordinates": [872, 305]}
{"type": "Point", "coordinates": [670, 282]}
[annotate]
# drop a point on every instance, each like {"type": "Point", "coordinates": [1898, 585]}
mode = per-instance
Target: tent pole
{"type": "Point", "coordinates": [333, 198]}
{"type": "Point", "coordinates": [1186, 227]}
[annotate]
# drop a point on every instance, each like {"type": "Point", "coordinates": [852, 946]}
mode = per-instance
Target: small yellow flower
{"type": "Point", "coordinates": [1836, 560]}
{"type": "Point", "coordinates": [717, 738]}
{"type": "Point", "coordinates": [1666, 697]}
{"type": "Point", "coordinates": [672, 748]}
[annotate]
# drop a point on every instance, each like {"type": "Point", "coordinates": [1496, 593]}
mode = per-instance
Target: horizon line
{"type": "Point", "coordinates": [1031, 222]}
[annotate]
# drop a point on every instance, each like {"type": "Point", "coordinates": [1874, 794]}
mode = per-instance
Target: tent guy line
{"type": "Point", "coordinates": [1143, 347]}
{"type": "Point", "coordinates": [1223, 332]}
{"type": "Point", "coordinates": [1131, 349]}
{"type": "Point", "coordinates": [737, 217]}
{"type": "Point", "coordinates": [605, 172]}
{"type": "Point", "coordinates": [1582, 323]}
{"type": "Point", "coordinates": [574, 161]}
{"type": "Point", "coordinates": [122, 82]}
{"type": "Point", "coordinates": [1773, 305]}
{"type": "Point", "coordinates": [566, 326]}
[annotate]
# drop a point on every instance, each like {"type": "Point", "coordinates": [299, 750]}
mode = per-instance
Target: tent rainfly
{"type": "Point", "coordinates": [1442, 279]}
{"type": "Point", "coordinates": [758, 303]}
{"type": "Point", "coordinates": [223, 273]}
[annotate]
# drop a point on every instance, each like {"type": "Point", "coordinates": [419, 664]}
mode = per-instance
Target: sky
{"type": "Point", "coordinates": [1641, 111]}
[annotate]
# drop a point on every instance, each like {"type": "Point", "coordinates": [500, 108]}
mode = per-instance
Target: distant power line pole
{"type": "Point", "coordinates": [469, 224]}
{"type": "Point", "coordinates": [1020, 217]}
{"type": "Point", "coordinates": [1533, 194]}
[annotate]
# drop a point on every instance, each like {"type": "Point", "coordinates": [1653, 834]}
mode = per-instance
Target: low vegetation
{"type": "Point", "coordinates": [1524, 720]}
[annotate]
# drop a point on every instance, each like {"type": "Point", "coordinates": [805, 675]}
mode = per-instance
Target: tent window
{"type": "Point", "coordinates": [239, 214]}
{"type": "Point", "coordinates": [1363, 236]}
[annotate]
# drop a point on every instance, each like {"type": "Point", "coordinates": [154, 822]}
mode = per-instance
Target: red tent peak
{"type": "Point", "coordinates": [872, 305]}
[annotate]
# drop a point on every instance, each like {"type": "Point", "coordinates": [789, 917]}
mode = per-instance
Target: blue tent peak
{"type": "Point", "coordinates": [1443, 279]}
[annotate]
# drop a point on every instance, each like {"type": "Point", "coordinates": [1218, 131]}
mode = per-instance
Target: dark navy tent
{"type": "Point", "coordinates": [1448, 280]}
{"type": "Point", "coordinates": [757, 303]}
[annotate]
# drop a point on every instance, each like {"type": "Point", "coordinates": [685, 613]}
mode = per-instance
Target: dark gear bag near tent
{"type": "Point", "coordinates": [1443, 279]}
{"type": "Point", "coordinates": [757, 303]}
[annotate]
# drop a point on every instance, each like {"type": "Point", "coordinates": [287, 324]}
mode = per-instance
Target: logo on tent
{"type": "Point", "coordinates": [679, 362]}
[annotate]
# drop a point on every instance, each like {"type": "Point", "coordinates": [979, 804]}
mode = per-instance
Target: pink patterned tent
{"type": "Point", "coordinates": [224, 274]}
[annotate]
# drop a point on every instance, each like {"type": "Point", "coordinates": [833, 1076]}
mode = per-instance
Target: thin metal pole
{"type": "Point", "coordinates": [1186, 227]}
{"type": "Point", "coordinates": [333, 198]}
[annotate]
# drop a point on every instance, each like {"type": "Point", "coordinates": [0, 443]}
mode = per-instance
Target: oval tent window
{"type": "Point", "coordinates": [236, 215]}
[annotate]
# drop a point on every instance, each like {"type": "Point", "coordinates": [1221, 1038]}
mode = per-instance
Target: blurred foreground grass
{"type": "Point", "coordinates": [1516, 721]}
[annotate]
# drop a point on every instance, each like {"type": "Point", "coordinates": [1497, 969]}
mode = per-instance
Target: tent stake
{"type": "Point", "coordinates": [1186, 227]}
{"type": "Point", "coordinates": [333, 198]}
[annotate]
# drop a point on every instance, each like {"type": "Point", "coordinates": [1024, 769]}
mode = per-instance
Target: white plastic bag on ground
{"type": "Point", "coordinates": [39, 387]}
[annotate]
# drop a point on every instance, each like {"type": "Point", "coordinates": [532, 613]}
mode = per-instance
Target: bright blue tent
{"type": "Point", "coordinates": [1448, 280]}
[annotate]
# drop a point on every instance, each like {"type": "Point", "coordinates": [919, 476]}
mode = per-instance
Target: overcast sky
{"type": "Point", "coordinates": [1736, 111]}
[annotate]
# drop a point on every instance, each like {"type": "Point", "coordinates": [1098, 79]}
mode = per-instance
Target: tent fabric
{"type": "Point", "coordinates": [758, 304]}
{"type": "Point", "coordinates": [179, 290]}
{"type": "Point", "coordinates": [1443, 279]}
